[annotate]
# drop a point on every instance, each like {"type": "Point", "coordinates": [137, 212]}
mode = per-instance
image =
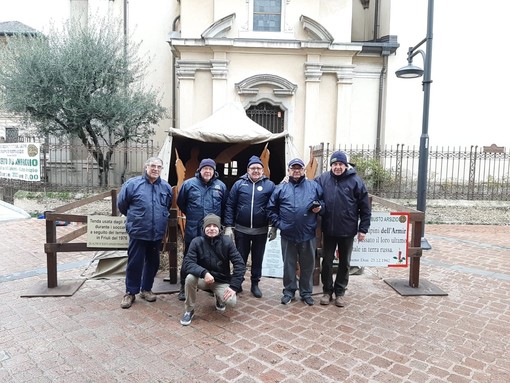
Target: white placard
{"type": "Point", "coordinates": [272, 264]}
{"type": "Point", "coordinates": [107, 231]}
{"type": "Point", "coordinates": [385, 244]}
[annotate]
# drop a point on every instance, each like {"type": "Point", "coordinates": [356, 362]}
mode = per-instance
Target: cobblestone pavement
{"type": "Point", "coordinates": [380, 336]}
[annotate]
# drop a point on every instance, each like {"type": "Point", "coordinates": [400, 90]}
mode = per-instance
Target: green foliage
{"type": "Point", "coordinates": [371, 171]}
{"type": "Point", "coordinates": [82, 82]}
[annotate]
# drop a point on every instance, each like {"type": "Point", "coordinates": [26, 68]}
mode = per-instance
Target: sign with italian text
{"type": "Point", "coordinates": [107, 231]}
{"type": "Point", "coordinates": [386, 242]}
{"type": "Point", "coordinates": [20, 161]}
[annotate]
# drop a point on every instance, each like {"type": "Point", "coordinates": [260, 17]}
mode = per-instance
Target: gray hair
{"type": "Point", "coordinates": [153, 159]}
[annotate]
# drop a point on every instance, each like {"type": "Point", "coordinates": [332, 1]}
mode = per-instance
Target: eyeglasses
{"type": "Point", "coordinates": [256, 169]}
{"type": "Point", "coordinates": [154, 166]}
{"type": "Point", "coordinates": [296, 168]}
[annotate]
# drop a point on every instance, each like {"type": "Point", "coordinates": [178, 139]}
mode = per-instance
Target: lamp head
{"type": "Point", "coordinates": [409, 71]}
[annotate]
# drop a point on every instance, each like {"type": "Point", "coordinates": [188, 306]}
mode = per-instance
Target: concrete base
{"type": "Point", "coordinates": [163, 286]}
{"type": "Point", "coordinates": [402, 287]}
{"type": "Point", "coordinates": [63, 289]}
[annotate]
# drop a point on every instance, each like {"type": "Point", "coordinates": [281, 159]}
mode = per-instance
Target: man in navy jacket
{"type": "Point", "coordinates": [246, 212]}
{"type": "Point", "coordinates": [145, 201]}
{"type": "Point", "coordinates": [197, 197]}
{"type": "Point", "coordinates": [293, 208]}
{"type": "Point", "coordinates": [347, 215]}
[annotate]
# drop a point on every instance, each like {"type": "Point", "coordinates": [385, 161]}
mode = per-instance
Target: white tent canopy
{"type": "Point", "coordinates": [228, 125]}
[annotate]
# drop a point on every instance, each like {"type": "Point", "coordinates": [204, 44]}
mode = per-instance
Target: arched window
{"type": "Point", "coordinates": [269, 116]}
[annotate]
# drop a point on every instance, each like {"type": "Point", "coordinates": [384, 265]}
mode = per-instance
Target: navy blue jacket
{"type": "Point", "coordinates": [247, 201]}
{"type": "Point", "coordinates": [348, 209]}
{"type": "Point", "coordinates": [289, 209]}
{"type": "Point", "coordinates": [196, 199]}
{"type": "Point", "coordinates": [214, 255]}
{"type": "Point", "coordinates": [146, 207]}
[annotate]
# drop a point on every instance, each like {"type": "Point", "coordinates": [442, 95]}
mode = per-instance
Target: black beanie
{"type": "Point", "coordinates": [339, 156]}
{"type": "Point", "coordinates": [254, 160]}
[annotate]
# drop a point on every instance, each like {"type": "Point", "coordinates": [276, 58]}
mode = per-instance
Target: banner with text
{"type": "Point", "coordinates": [20, 161]}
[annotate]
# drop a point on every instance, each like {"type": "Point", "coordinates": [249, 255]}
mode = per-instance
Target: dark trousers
{"type": "Point", "coordinates": [304, 253]}
{"type": "Point", "coordinates": [142, 265]}
{"type": "Point", "coordinates": [256, 245]}
{"type": "Point", "coordinates": [329, 246]}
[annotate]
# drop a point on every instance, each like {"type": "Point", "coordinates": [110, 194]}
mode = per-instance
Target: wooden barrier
{"type": "Point", "coordinates": [55, 245]}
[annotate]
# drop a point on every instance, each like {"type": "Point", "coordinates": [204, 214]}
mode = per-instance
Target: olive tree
{"type": "Point", "coordinates": [80, 81]}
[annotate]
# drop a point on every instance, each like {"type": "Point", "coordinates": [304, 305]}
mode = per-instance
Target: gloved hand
{"type": "Point", "coordinates": [229, 233]}
{"type": "Point", "coordinates": [272, 234]}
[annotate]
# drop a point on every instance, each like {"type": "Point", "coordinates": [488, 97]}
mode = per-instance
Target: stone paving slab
{"type": "Point", "coordinates": [379, 336]}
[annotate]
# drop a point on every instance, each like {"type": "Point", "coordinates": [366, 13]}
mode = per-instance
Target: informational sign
{"type": "Point", "coordinates": [106, 231]}
{"type": "Point", "coordinates": [20, 161]}
{"type": "Point", "coordinates": [272, 264]}
{"type": "Point", "coordinates": [386, 242]}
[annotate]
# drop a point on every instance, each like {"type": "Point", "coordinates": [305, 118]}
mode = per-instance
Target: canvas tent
{"type": "Point", "coordinates": [229, 137]}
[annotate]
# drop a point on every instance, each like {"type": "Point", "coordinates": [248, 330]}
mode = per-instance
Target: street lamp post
{"type": "Point", "coordinates": [412, 71]}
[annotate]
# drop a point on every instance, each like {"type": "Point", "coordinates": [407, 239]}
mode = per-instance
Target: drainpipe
{"type": "Point", "coordinates": [380, 105]}
{"type": "Point", "coordinates": [174, 80]}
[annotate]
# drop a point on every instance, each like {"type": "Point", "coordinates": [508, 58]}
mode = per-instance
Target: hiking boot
{"type": "Point", "coordinates": [339, 301]}
{"type": "Point", "coordinates": [149, 296]}
{"type": "Point", "coordinates": [220, 306]}
{"type": "Point", "coordinates": [127, 301]}
{"type": "Point", "coordinates": [256, 291]}
{"type": "Point", "coordinates": [181, 296]}
{"type": "Point", "coordinates": [308, 300]}
{"type": "Point", "coordinates": [286, 299]}
{"type": "Point", "coordinates": [326, 299]}
{"type": "Point", "coordinates": [187, 317]}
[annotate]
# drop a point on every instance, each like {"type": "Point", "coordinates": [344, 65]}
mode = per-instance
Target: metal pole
{"type": "Point", "coordinates": [424, 139]}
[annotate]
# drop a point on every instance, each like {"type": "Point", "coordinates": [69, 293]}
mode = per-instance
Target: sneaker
{"type": "Point", "coordinates": [256, 291]}
{"type": "Point", "coordinates": [149, 296]}
{"type": "Point", "coordinates": [308, 300]}
{"type": "Point", "coordinates": [326, 299]}
{"type": "Point", "coordinates": [181, 296]}
{"type": "Point", "coordinates": [220, 306]}
{"type": "Point", "coordinates": [187, 317]}
{"type": "Point", "coordinates": [286, 299]}
{"type": "Point", "coordinates": [339, 301]}
{"type": "Point", "coordinates": [127, 301]}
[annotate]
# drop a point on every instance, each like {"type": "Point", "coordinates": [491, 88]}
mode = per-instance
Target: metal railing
{"type": "Point", "coordinates": [474, 173]}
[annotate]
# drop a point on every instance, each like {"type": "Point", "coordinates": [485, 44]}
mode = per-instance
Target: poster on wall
{"type": "Point", "coordinates": [20, 161]}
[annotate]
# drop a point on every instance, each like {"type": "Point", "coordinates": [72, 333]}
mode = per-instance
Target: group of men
{"type": "Point", "coordinates": [253, 211]}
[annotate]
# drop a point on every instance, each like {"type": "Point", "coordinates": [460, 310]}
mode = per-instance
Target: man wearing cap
{"type": "Point", "coordinates": [293, 208]}
{"type": "Point", "coordinates": [145, 201]}
{"type": "Point", "coordinates": [197, 197]}
{"type": "Point", "coordinates": [246, 212]}
{"type": "Point", "coordinates": [207, 264]}
{"type": "Point", "coordinates": [347, 216]}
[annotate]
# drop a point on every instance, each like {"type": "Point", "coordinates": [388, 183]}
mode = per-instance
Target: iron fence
{"type": "Point", "coordinates": [67, 166]}
{"type": "Point", "coordinates": [474, 173]}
